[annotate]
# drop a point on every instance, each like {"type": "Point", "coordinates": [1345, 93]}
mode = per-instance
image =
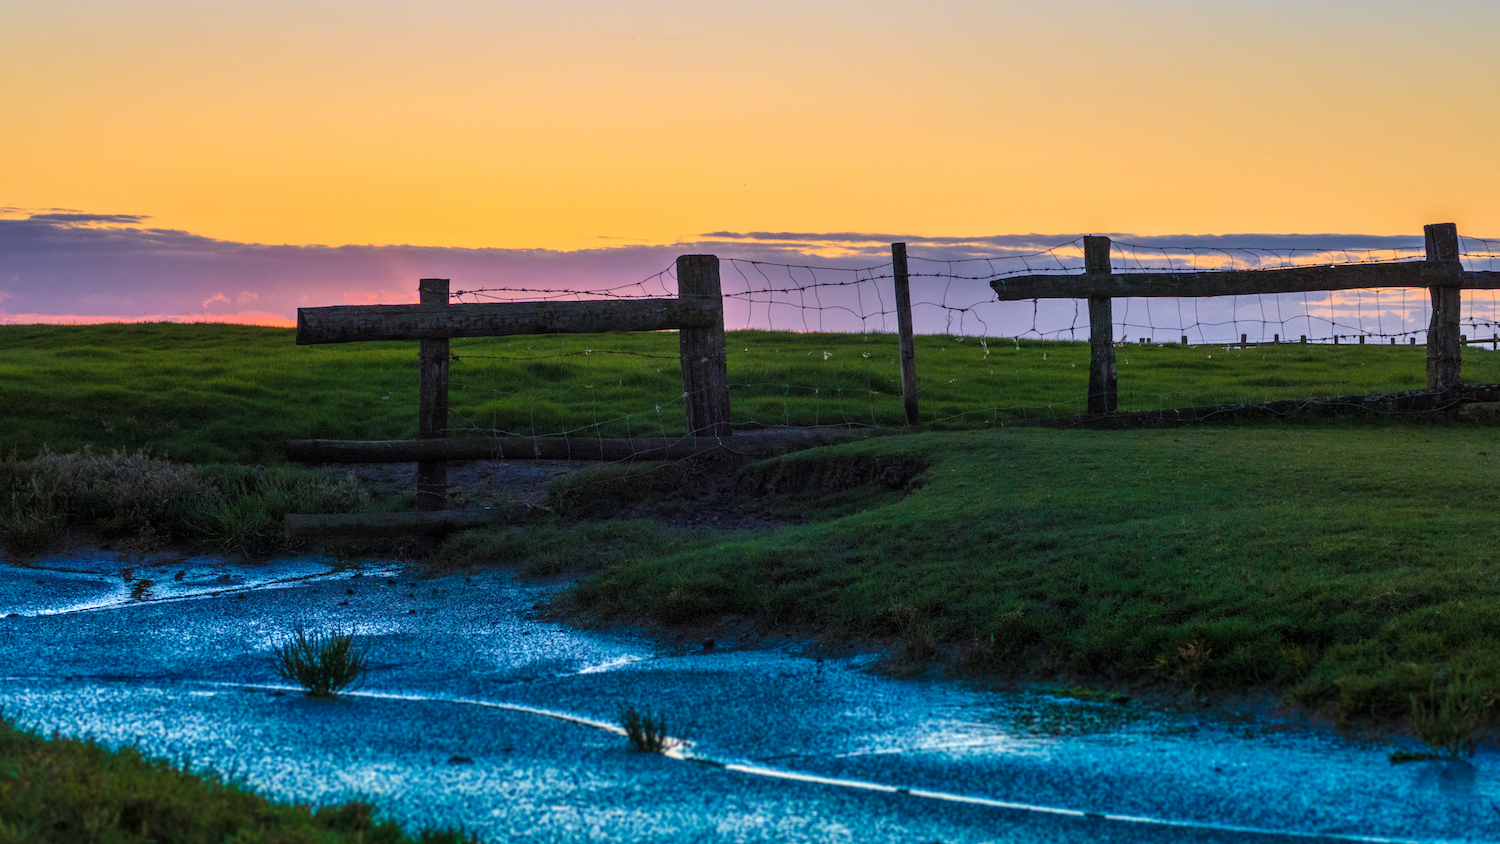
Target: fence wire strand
{"type": "Point", "coordinates": [813, 345]}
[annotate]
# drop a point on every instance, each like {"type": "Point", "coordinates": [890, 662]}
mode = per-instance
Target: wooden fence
{"type": "Point", "coordinates": [1442, 274]}
{"type": "Point", "coordinates": [697, 313]}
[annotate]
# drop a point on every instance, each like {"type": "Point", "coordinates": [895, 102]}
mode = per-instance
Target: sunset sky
{"type": "Point", "coordinates": [585, 125]}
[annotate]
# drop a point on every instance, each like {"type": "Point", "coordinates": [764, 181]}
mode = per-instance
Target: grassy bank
{"type": "Point", "coordinates": [61, 789]}
{"type": "Point", "coordinates": [234, 394]}
{"type": "Point", "coordinates": [1344, 567]}
{"type": "Point", "coordinates": [137, 503]}
{"type": "Point", "coordinates": [1348, 568]}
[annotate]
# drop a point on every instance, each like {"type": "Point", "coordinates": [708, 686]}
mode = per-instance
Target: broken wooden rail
{"type": "Point", "coordinates": [549, 448]}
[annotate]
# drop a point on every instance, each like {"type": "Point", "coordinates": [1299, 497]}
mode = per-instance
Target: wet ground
{"type": "Point", "coordinates": [476, 716]}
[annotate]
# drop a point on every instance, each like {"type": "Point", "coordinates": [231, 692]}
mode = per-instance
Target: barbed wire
{"type": "Point", "coordinates": [1478, 253]}
{"type": "Point", "coordinates": [652, 287]}
{"type": "Point", "coordinates": [951, 298]}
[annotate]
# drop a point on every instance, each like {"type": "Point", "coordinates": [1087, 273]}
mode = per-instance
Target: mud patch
{"type": "Point", "coordinates": [829, 474]}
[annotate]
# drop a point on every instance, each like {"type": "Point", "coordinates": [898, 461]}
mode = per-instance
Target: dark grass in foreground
{"type": "Point", "coordinates": [62, 789]}
{"type": "Point", "coordinates": [1349, 569]}
{"type": "Point", "coordinates": [235, 394]}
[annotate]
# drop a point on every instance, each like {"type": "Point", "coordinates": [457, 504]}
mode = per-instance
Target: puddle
{"type": "Point", "coordinates": [475, 715]}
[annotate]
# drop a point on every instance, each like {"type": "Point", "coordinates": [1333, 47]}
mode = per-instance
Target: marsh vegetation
{"type": "Point", "coordinates": [1345, 567]}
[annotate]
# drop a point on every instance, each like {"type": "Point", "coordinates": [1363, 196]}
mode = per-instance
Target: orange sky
{"type": "Point", "coordinates": [588, 123]}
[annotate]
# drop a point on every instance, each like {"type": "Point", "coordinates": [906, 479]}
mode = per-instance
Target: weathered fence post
{"type": "Point", "coordinates": [1103, 386]}
{"type": "Point", "coordinates": [705, 370]}
{"type": "Point", "coordinates": [432, 402]}
{"type": "Point", "coordinates": [1444, 351]}
{"type": "Point", "coordinates": [903, 325]}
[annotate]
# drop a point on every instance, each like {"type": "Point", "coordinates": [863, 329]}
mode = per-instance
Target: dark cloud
{"type": "Point", "coordinates": [76, 218]}
{"type": "Point", "coordinates": [71, 262]}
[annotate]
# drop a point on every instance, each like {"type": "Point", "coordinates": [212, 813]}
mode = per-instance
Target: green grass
{"type": "Point", "coordinates": [141, 503]}
{"type": "Point", "coordinates": [225, 393]}
{"type": "Point", "coordinates": [1346, 568]}
{"type": "Point", "coordinates": [59, 789]}
{"type": "Point", "coordinates": [1341, 566]}
{"type": "Point", "coordinates": [1449, 719]}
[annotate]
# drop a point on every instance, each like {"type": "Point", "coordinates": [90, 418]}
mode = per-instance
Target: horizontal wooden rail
{"type": "Point", "coordinates": [542, 448]}
{"type": "Point", "coordinates": [354, 323]}
{"type": "Point", "coordinates": [1240, 282]}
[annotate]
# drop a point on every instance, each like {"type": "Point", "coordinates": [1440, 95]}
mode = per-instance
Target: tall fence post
{"type": "Point", "coordinates": [903, 324]}
{"type": "Point", "coordinates": [1103, 386]}
{"type": "Point", "coordinates": [705, 370]}
{"type": "Point", "coordinates": [432, 402]}
{"type": "Point", "coordinates": [1444, 345]}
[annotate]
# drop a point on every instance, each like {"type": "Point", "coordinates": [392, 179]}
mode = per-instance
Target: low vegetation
{"type": "Point", "coordinates": [322, 662]}
{"type": "Point", "coordinates": [1341, 566]}
{"type": "Point", "coordinates": [1344, 567]}
{"type": "Point", "coordinates": [1449, 718]}
{"type": "Point", "coordinates": [646, 730]}
{"type": "Point", "coordinates": [60, 789]}
{"type": "Point", "coordinates": [144, 503]}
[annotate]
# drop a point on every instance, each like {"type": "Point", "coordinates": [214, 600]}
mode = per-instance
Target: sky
{"type": "Point", "coordinates": [238, 160]}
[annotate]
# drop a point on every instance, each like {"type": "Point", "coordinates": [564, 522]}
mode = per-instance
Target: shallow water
{"type": "Point", "coordinates": [476, 715]}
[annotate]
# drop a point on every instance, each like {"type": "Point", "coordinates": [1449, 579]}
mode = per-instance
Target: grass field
{"type": "Point", "coordinates": [1344, 565]}
{"type": "Point", "coordinates": [224, 393]}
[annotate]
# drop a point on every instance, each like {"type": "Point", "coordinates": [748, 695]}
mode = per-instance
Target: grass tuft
{"type": "Point", "coordinates": [35, 519]}
{"type": "Point", "coordinates": [145, 503]}
{"type": "Point", "coordinates": [1449, 720]}
{"type": "Point", "coordinates": [646, 730]}
{"type": "Point", "coordinates": [323, 663]}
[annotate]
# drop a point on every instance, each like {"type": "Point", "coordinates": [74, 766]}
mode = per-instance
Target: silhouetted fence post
{"type": "Point", "coordinates": [705, 370]}
{"type": "Point", "coordinates": [1103, 382]}
{"type": "Point", "coordinates": [903, 325]}
{"type": "Point", "coordinates": [432, 401]}
{"type": "Point", "coordinates": [1444, 345]}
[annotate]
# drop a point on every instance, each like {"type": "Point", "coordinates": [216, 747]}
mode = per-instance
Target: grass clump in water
{"type": "Point", "coordinates": [323, 663]}
{"type": "Point", "coordinates": [62, 789]}
{"type": "Point", "coordinates": [646, 730]}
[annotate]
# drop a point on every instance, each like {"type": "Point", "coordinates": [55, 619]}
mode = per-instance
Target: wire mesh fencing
{"type": "Point", "coordinates": [816, 345]}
